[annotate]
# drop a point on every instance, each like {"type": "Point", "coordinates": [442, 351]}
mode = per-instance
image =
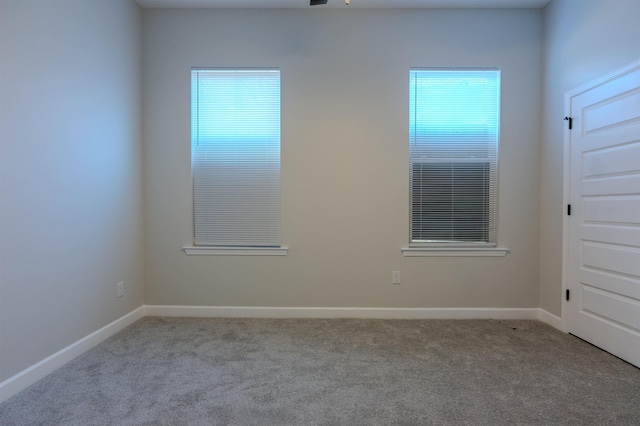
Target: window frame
{"type": "Point", "coordinates": [451, 247]}
{"type": "Point", "coordinates": [269, 229]}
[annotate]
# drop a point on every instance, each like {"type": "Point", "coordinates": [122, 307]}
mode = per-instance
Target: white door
{"type": "Point", "coordinates": [603, 273]}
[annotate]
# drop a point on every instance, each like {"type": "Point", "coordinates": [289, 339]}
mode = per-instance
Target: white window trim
{"type": "Point", "coordinates": [234, 251]}
{"type": "Point", "coordinates": [455, 251]}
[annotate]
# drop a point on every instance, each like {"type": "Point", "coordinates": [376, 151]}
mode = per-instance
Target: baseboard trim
{"type": "Point", "coordinates": [321, 312]}
{"type": "Point", "coordinates": [29, 376]}
{"type": "Point", "coordinates": [551, 319]}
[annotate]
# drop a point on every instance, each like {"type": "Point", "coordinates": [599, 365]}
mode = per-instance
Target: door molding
{"type": "Point", "coordinates": [566, 190]}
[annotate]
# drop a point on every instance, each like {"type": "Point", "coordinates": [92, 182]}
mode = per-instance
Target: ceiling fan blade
{"type": "Point", "coordinates": [317, 2]}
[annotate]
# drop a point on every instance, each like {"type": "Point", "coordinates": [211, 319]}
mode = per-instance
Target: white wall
{"type": "Point", "coordinates": [71, 209]}
{"type": "Point", "coordinates": [344, 155]}
{"type": "Point", "coordinates": [583, 40]}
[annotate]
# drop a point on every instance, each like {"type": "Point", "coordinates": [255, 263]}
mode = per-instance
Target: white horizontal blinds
{"type": "Point", "coordinates": [453, 128]}
{"type": "Point", "coordinates": [235, 125]}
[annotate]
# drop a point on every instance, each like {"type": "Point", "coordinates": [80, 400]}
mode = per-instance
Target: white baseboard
{"type": "Point", "coordinates": [551, 319]}
{"type": "Point", "coordinates": [29, 376]}
{"type": "Point", "coordinates": [373, 313]}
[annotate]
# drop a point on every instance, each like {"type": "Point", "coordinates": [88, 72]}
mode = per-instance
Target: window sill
{"type": "Point", "coordinates": [235, 251]}
{"type": "Point", "coordinates": [455, 252]}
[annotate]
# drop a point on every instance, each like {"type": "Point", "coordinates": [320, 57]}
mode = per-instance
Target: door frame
{"type": "Point", "coordinates": [566, 190]}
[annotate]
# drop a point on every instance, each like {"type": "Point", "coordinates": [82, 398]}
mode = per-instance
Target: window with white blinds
{"type": "Point", "coordinates": [235, 140]}
{"type": "Point", "coordinates": [454, 125]}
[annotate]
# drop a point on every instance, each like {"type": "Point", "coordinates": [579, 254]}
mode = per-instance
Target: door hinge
{"type": "Point", "coordinates": [568, 209]}
{"type": "Point", "coordinates": [566, 295]}
{"type": "Point", "coordinates": [570, 120]}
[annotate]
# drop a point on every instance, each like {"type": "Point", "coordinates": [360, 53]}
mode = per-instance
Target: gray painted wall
{"type": "Point", "coordinates": [344, 155]}
{"type": "Point", "coordinates": [71, 193]}
{"type": "Point", "coordinates": [583, 40]}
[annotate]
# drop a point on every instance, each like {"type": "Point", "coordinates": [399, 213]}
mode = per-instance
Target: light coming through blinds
{"type": "Point", "coordinates": [454, 125]}
{"type": "Point", "coordinates": [235, 140]}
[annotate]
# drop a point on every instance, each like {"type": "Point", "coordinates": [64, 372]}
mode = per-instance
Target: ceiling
{"type": "Point", "coordinates": [378, 4]}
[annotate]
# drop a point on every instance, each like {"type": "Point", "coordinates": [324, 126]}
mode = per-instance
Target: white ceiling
{"type": "Point", "coordinates": [379, 4]}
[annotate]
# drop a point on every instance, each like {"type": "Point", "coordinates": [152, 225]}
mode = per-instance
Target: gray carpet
{"type": "Point", "coordinates": [187, 371]}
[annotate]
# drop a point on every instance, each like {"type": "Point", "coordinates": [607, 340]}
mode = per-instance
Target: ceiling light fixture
{"type": "Point", "coordinates": [319, 2]}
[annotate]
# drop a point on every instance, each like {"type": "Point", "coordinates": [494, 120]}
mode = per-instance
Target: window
{"type": "Point", "coordinates": [235, 141]}
{"type": "Point", "coordinates": [454, 119]}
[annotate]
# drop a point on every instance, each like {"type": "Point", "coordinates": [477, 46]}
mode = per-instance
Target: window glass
{"type": "Point", "coordinates": [235, 140]}
{"type": "Point", "coordinates": [453, 135]}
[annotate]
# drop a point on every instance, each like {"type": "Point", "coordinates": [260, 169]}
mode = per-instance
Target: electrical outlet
{"type": "Point", "coordinates": [120, 289]}
{"type": "Point", "coordinates": [395, 277]}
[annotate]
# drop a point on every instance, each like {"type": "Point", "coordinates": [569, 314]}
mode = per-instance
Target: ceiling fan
{"type": "Point", "coordinates": [319, 2]}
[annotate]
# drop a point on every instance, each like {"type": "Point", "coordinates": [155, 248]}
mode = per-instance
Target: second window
{"type": "Point", "coordinates": [454, 126]}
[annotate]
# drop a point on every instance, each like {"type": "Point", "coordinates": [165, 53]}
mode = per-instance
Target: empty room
{"type": "Point", "coordinates": [294, 212]}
